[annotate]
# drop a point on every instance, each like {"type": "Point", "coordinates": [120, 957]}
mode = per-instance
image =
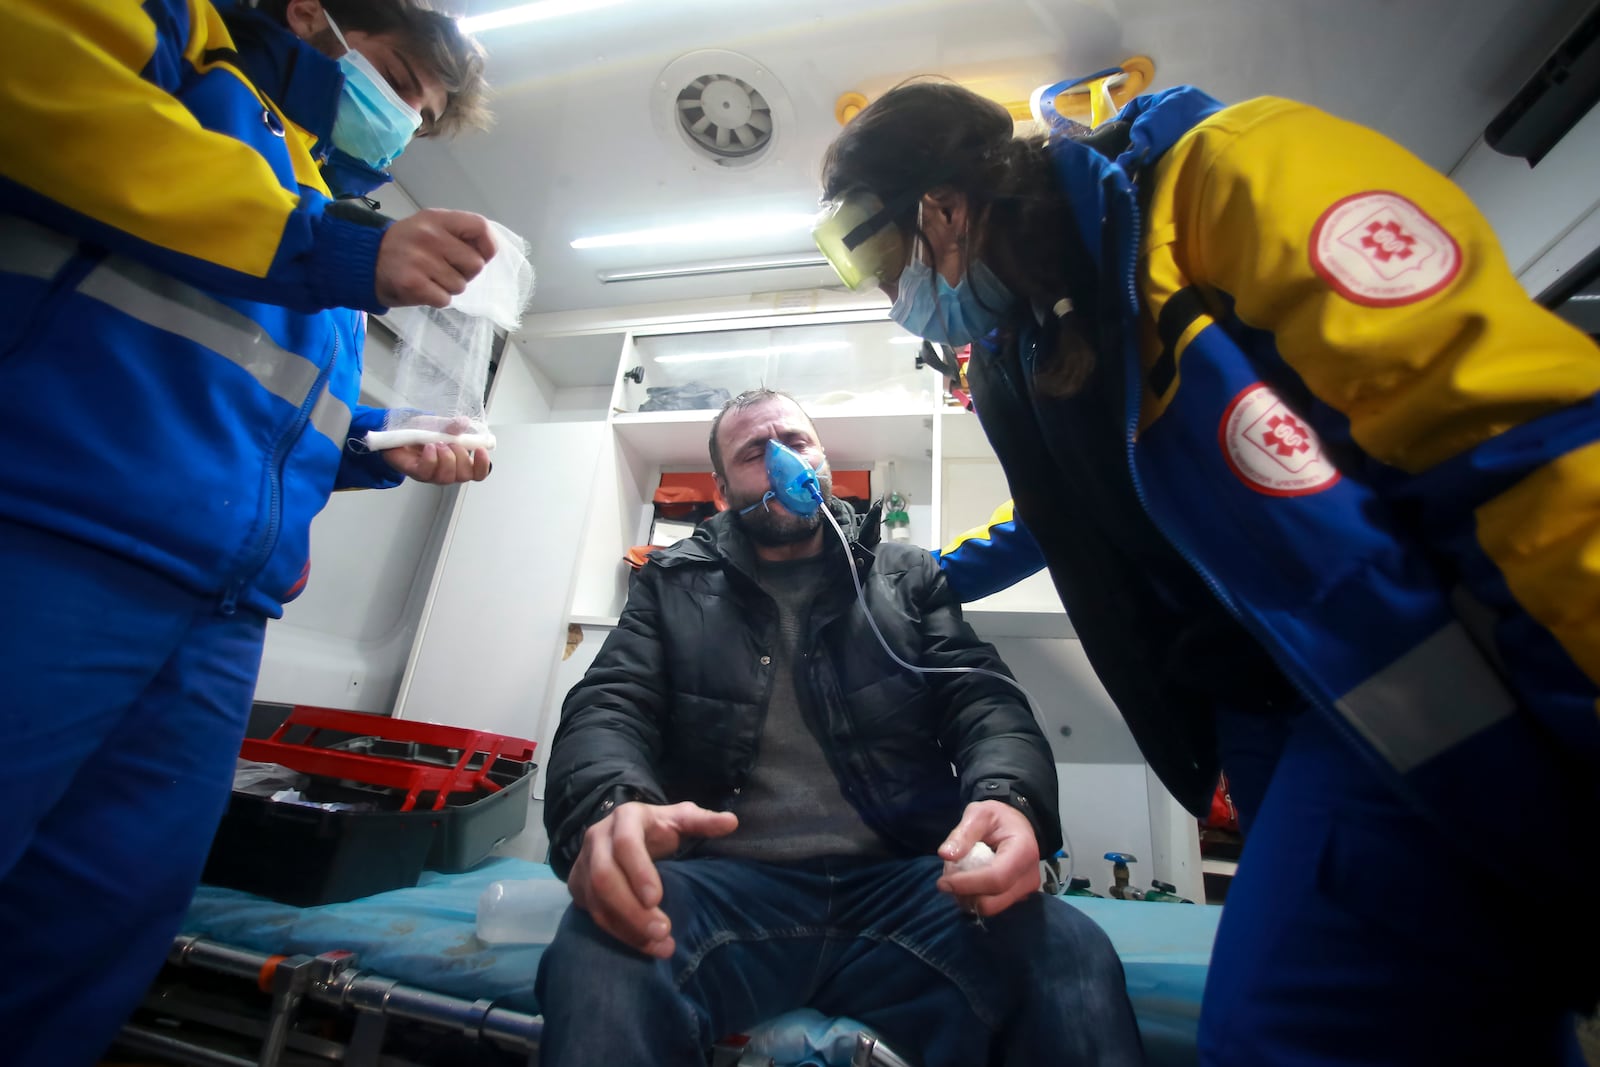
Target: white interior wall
{"type": "Point", "coordinates": [1079, 720]}
{"type": "Point", "coordinates": [533, 843]}
{"type": "Point", "coordinates": [498, 606]}
{"type": "Point", "coordinates": [522, 392]}
{"type": "Point", "coordinates": [1104, 809]}
{"type": "Point", "coordinates": [344, 642]}
{"type": "Point", "coordinates": [1532, 208]}
{"type": "Point", "coordinates": [580, 403]}
{"type": "Point", "coordinates": [1174, 843]}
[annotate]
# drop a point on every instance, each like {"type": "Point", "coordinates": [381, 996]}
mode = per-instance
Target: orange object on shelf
{"type": "Point", "coordinates": [694, 487]}
{"type": "Point", "coordinates": [700, 487]}
{"type": "Point", "coordinates": [855, 485]}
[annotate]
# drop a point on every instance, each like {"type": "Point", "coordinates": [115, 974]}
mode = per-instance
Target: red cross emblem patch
{"type": "Point", "coordinates": [1381, 250]}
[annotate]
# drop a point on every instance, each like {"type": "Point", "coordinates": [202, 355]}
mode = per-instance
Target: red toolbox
{"type": "Point", "coordinates": [438, 797]}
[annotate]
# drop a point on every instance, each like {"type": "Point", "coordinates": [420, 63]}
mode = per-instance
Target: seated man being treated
{"type": "Point", "coordinates": [756, 809]}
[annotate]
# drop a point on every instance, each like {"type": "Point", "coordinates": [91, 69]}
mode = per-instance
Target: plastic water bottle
{"type": "Point", "coordinates": [522, 912]}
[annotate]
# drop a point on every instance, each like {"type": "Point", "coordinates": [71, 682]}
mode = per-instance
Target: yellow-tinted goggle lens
{"type": "Point", "coordinates": [880, 256]}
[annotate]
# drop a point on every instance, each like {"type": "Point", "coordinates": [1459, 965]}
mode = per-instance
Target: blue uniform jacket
{"type": "Point", "coordinates": [185, 310]}
{"type": "Point", "coordinates": [1354, 444]}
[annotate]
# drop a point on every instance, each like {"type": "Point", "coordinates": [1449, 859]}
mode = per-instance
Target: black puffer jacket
{"type": "Point", "coordinates": [673, 707]}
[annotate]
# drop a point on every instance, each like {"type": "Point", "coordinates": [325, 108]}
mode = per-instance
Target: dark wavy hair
{"type": "Point", "coordinates": [925, 134]}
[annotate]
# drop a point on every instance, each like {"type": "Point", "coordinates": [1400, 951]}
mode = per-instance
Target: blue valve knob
{"type": "Point", "coordinates": [1122, 857]}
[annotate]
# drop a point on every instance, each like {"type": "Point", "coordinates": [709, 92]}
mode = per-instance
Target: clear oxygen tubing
{"type": "Point", "coordinates": [794, 486]}
{"type": "Point", "coordinates": [861, 597]}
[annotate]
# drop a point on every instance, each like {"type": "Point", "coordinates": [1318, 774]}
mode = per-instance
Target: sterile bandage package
{"type": "Point", "coordinates": [443, 354]}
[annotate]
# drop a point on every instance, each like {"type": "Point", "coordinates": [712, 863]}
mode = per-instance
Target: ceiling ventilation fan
{"type": "Point", "coordinates": [725, 116]}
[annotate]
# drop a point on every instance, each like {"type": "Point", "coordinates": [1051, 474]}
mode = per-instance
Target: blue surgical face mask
{"type": "Point", "coordinates": [954, 315]}
{"type": "Point", "coordinates": [372, 124]}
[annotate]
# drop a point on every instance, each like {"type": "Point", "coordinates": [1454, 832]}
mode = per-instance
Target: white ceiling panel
{"type": "Point", "coordinates": [583, 144]}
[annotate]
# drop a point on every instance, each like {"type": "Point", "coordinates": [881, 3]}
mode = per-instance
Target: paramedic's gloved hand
{"type": "Point", "coordinates": [440, 464]}
{"type": "Point", "coordinates": [1004, 880]}
{"type": "Point", "coordinates": [431, 256]}
{"type": "Point", "coordinates": [614, 878]}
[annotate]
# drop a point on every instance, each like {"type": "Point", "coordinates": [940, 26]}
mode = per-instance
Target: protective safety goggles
{"type": "Point", "coordinates": [856, 233]}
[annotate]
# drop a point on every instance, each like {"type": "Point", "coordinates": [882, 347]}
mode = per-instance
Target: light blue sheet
{"type": "Point", "coordinates": [1165, 950]}
{"type": "Point", "coordinates": [424, 936]}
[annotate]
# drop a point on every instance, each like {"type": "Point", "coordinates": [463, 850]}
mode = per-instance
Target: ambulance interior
{"type": "Point", "coordinates": [662, 160]}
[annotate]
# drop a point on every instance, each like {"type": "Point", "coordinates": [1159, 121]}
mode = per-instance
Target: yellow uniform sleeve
{"type": "Point", "coordinates": [1387, 294]}
{"type": "Point", "coordinates": [991, 557]}
{"type": "Point", "coordinates": [97, 141]}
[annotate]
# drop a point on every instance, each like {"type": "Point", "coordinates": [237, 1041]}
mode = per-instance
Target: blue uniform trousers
{"type": "Point", "coordinates": [123, 700]}
{"type": "Point", "coordinates": [1354, 934]}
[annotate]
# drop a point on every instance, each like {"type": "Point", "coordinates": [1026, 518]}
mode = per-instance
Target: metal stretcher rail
{"type": "Point", "coordinates": [332, 979]}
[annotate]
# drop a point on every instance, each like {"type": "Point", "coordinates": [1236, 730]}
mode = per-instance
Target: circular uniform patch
{"type": "Point", "coordinates": [1272, 449]}
{"type": "Point", "coordinates": [1382, 250]}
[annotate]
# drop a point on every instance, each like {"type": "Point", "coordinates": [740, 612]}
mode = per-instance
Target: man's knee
{"type": "Point", "coordinates": [605, 1003]}
{"type": "Point", "coordinates": [585, 966]}
{"type": "Point", "coordinates": [1049, 929]}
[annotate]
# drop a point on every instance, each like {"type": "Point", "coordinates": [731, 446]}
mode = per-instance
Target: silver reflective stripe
{"type": "Point", "coordinates": [1429, 700]}
{"type": "Point", "coordinates": [331, 417]}
{"type": "Point", "coordinates": [159, 300]}
{"type": "Point", "coordinates": [31, 249]}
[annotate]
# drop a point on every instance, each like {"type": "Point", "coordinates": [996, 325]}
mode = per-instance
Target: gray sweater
{"type": "Point", "coordinates": [792, 809]}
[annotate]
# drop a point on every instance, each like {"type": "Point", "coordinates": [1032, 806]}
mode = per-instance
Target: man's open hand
{"type": "Point", "coordinates": [615, 878]}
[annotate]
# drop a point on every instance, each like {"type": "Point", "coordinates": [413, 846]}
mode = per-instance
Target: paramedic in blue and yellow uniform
{"type": "Point", "coordinates": [180, 353]}
{"type": "Point", "coordinates": [1319, 486]}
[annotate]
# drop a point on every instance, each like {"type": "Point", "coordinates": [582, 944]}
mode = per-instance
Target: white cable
{"type": "Point", "coordinates": [861, 596]}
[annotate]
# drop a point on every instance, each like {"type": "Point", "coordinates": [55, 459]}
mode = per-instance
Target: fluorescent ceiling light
{"type": "Point", "coordinates": [732, 265]}
{"type": "Point", "coordinates": [515, 16]}
{"type": "Point", "coordinates": [745, 353]}
{"type": "Point", "coordinates": [722, 229]}
{"type": "Point", "coordinates": [906, 340]}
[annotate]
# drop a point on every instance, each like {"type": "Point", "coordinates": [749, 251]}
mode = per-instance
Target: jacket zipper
{"type": "Point", "coordinates": [1290, 670]}
{"type": "Point", "coordinates": [862, 797]}
{"type": "Point", "coordinates": [286, 443]}
{"type": "Point", "coordinates": [766, 697]}
{"type": "Point", "coordinates": [817, 662]}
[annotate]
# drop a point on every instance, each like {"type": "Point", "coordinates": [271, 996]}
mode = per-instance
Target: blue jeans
{"type": "Point", "coordinates": [1354, 934]}
{"type": "Point", "coordinates": [1038, 984]}
{"type": "Point", "coordinates": [123, 699]}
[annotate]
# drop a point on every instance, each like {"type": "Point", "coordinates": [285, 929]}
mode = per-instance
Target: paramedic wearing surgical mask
{"type": "Point", "coordinates": [180, 356]}
{"type": "Point", "coordinates": [1320, 489]}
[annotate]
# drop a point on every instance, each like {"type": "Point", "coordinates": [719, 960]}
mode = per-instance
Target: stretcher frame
{"type": "Point", "coordinates": [333, 980]}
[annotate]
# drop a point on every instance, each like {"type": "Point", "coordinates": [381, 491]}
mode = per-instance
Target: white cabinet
{"type": "Point", "coordinates": [856, 375]}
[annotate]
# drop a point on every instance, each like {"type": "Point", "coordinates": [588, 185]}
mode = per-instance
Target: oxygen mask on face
{"type": "Point", "coordinates": [793, 483]}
